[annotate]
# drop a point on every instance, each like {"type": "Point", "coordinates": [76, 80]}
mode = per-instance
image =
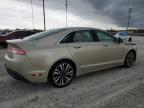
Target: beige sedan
{"type": "Point", "coordinates": [59, 55]}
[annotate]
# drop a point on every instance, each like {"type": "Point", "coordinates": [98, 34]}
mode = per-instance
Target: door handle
{"type": "Point", "coordinates": [77, 47]}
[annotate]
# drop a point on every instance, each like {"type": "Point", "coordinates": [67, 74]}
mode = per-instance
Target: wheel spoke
{"type": "Point", "coordinates": [67, 79]}
{"type": "Point", "coordinates": [68, 67]}
{"type": "Point", "coordinates": [69, 73]}
{"type": "Point", "coordinates": [57, 72]}
{"type": "Point", "coordinates": [56, 79]}
{"type": "Point", "coordinates": [61, 67]}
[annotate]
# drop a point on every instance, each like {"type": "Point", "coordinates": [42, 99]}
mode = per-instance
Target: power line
{"type": "Point", "coordinates": [44, 15]}
{"type": "Point", "coordinates": [32, 14]}
{"type": "Point", "coordinates": [128, 24]}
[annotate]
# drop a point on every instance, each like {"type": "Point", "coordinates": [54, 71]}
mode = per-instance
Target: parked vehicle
{"type": "Point", "coordinates": [18, 34]}
{"type": "Point", "coordinates": [59, 55]}
{"type": "Point", "coordinates": [124, 36]}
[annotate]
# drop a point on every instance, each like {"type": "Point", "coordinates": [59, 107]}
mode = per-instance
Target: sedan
{"type": "Point", "coordinates": [60, 55]}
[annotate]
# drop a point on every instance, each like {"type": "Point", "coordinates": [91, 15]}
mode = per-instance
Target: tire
{"type": "Point", "coordinates": [62, 73]}
{"type": "Point", "coordinates": [130, 59]}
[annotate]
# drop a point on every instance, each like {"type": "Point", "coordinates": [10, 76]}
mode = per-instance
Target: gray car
{"type": "Point", "coordinates": [59, 55]}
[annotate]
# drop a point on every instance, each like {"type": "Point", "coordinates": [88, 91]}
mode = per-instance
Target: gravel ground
{"type": "Point", "coordinates": [113, 88]}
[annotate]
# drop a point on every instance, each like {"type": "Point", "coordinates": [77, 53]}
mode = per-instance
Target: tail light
{"type": "Point", "coordinates": [16, 50]}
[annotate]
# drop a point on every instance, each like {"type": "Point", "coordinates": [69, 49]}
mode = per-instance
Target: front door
{"type": "Point", "coordinates": [112, 52]}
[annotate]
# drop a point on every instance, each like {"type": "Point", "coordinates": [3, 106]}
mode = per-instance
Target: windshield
{"type": "Point", "coordinates": [43, 34]}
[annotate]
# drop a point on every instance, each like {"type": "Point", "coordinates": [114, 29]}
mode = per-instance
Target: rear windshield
{"type": "Point", "coordinates": [43, 34]}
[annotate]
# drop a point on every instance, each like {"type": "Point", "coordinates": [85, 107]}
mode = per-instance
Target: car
{"type": "Point", "coordinates": [14, 35]}
{"type": "Point", "coordinates": [59, 55]}
{"type": "Point", "coordinates": [124, 36]}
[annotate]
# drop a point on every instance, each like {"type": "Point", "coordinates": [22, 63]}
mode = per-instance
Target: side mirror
{"type": "Point", "coordinates": [119, 40]}
{"type": "Point", "coordinates": [130, 40]}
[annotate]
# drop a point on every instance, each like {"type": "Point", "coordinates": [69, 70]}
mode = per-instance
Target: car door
{"type": "Point", "coordinates": [85, 50]}
{"type": "Point", "coordinates": [112, 52]}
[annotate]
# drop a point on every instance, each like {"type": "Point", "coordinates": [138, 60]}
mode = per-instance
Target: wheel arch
{"type": "Point", "coordinates": [60, 60]}
{"type": "Point", "coordinates": [134, 51]}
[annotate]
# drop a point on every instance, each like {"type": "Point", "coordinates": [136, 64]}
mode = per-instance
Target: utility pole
{"type": "Point", "coordinates": [66, 4]}
{"type": "Point", "coordinates": [130, 10]}
{"type": "Point", "coordinates": [44, 15]}
{"type": "Point", "coordinates": [32, 14]}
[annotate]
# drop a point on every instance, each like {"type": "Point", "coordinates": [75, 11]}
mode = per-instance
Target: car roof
{"type": "Point", "coordinates": [81, 28]}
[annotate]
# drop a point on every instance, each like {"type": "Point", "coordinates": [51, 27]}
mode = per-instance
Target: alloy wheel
{"type": "Point", "coordinates": [63, 74]}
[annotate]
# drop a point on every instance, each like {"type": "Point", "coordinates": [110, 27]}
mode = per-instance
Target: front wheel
{"type": "Point", "coordinates": [62, 74]}
{"type": "Point", "coordinates": [130, 59]}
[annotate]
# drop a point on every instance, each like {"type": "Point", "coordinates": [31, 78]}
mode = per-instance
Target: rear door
{"type": "Point", "coordinates": [84, 49]}
{"type": "Point", "coordinates": [112, 52]}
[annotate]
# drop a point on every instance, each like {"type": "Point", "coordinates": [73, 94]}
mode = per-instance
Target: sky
{"type": "Point", "coordinates": [103, 14]}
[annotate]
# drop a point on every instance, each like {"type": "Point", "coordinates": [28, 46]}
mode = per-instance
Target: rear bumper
{"type": "Point", "coordinates": [28, 77]}
{"type": "Point", "coordinates": [16, 75]}
{"type": "Point", "coordinates": [21, 69]}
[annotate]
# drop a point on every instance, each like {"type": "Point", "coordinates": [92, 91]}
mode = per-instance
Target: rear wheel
{"type": "Point", "coordinates": [130, 59]}
{"type": "Point", "coordinates": [62, 74]}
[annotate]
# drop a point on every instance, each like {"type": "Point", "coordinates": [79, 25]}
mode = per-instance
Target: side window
{"type": "Point", "coordinates": [68, 38]}
{"type": "Point", "coordinates": [28, 33]}
{"type": "Point", "coordinates": [105, 37]}
{"type": "Point", "coordinates": [83, 36]}
{"type": "Point", "coordinates": [78, 36]}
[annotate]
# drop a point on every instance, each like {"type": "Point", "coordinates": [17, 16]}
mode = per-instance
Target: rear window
{"type": "Point", "coordinates": [43, 34]}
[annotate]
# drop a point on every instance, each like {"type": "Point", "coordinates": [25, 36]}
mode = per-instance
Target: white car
{"type": "Point", "coordinates": [124, 36]}
{"type": "Point", "coordinates": [59, 55]}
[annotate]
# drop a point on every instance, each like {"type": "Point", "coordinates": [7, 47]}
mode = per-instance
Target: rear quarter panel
{"type": "Point", "coordinates": [45, 57]}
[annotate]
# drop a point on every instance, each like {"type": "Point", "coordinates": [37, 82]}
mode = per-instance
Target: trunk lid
{"type": "Point", "coordinates": [19, 47]}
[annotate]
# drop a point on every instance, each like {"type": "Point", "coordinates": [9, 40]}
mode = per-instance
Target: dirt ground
{"type": "Point", "coordinates": [113, 88]}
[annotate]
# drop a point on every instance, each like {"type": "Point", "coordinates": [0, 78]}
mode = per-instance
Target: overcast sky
{"type": "Point", "coordinates": [104, 14]}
